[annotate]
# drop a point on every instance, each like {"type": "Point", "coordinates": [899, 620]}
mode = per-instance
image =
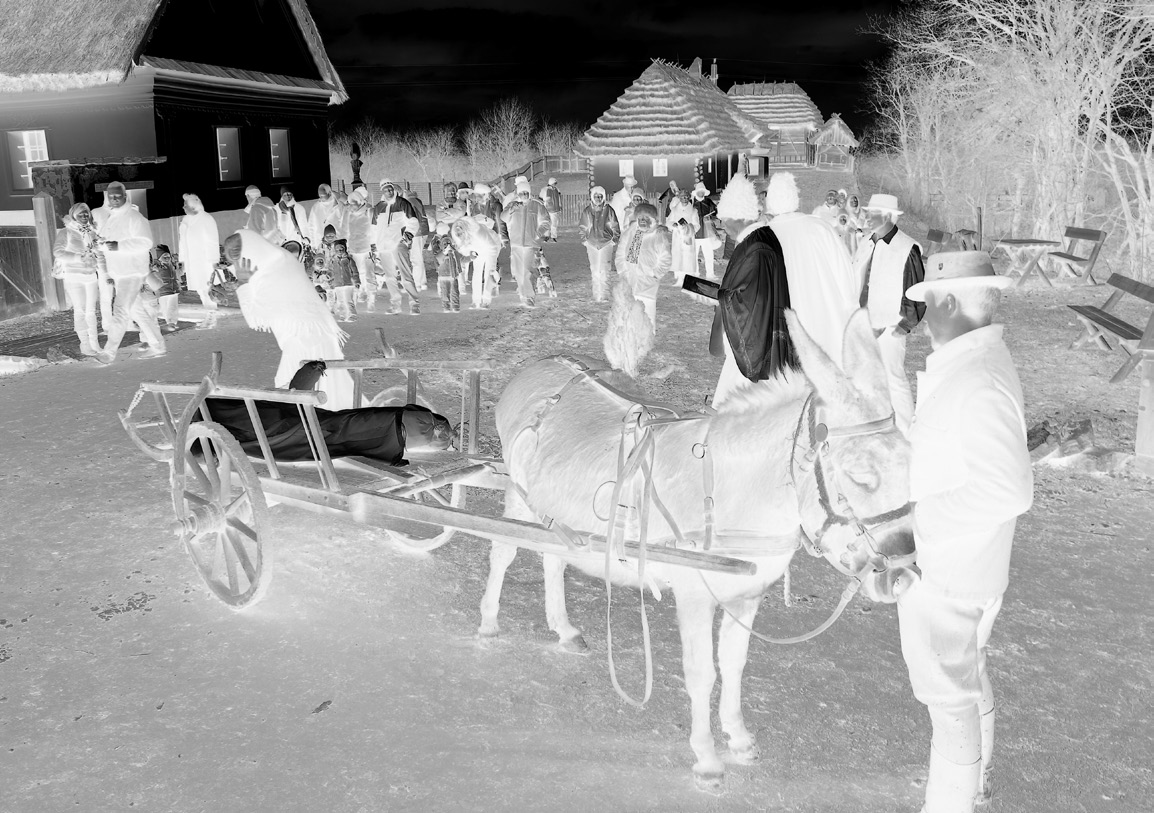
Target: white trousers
{"type": "Point", "coordinates": [83, 293]}
{"type": "Point", "coordinates": [368, 273]}
{"type": "Point", "coordinates": [894, 360]}
{"type": "Point", "coordinates": [705, 247]}
{"type": "Point", "coordinates": [131, 308]}
{"type": "Point", "coordinates": [683, 259]}
{"type": "Point", "coordinates": [944, 646]}
{"type": "Point", "coordinates": [417, 258]}
{"type": "Point", "coordinates": [554, 219]}
{"type": "Point", "coordinates": [600, 263]}
{"type": "Point", "coordinates": [521, 263]}
{"type": "Point", "coordinates": [343, 305]}
{"type": "Point", "coordinates": [481, 282]}
{"type": "Point", "coordinates": [106, 293]}
{"type": "Point", "coordinates": [169, 306]}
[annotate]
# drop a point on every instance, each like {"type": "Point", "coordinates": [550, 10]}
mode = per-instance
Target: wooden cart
{"type": "Point", "coordinates": [220, 494]}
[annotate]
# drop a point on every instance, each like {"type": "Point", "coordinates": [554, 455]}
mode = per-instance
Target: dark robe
{"type": "Point", "coordinates": [373, 432]}
{"type": "Point", "coordinates": [752, 301]}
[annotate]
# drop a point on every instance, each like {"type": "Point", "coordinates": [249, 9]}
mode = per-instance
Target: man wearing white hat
{"type": "Point", "coordinates": [198, 245]}
{"type": "Point", "coordinates": [970, 478]}
{"type": "Point", "coordinates": [552, 197]}
{"type": "Point", "coordinates": [749, 325]}
{"type": "Point", "coordinates": [705, 239]}
{"type": "Point", "coordinates": [823, 288]}
{"type": "Point", "coordinates": [623, 197]}
{"type": "Point", "coordinates": [888, 264]}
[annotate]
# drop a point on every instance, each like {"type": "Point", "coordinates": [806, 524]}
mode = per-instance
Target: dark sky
{"type": "Point", "coordinates": [416, 63]}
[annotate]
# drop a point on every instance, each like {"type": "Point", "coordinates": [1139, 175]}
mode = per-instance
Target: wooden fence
{"type": "Point", "coordinates": [21, 289]}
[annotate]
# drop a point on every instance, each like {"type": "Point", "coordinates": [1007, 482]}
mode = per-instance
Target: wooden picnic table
{"type": "Point", "coordinates": [1024, 254]}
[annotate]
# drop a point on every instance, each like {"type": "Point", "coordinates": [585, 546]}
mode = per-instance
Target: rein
{"type": "Point", "coordinates": [844, 515]}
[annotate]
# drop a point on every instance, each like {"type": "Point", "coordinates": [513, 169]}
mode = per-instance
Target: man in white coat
{"type": "Point", "coordinates": [888, 264]}
{"type": "Point", "coordinates": [327, 211]}
{"type": "Point", "coordinates": [292, 219]}
{"type": "Point", "coordinates": [623, 197]}
{"type": "Point", "coordinates": [823, 288]}
{"type": "Point", "coordinates": [970, 478]}
{"type": "Point", "coordinates": [199, 250]}
{"type": "Point", "coordinates": [128, 239]}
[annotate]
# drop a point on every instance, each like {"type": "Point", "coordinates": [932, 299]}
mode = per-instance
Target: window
{"type": "Point", "coordinates": [25, 146]}
{"type": "Point", "coordinates": [228, 154]}
{"type": "Point", "coordinates": [624, 167]}
{"type": "Point", "coordinates": [755, 167]}
{"type": "Point", "coordinates": [278, 146]}
{"type": "Point", "coordinates": [660, 167]}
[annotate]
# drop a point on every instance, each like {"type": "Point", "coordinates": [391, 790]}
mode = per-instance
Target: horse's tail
{"type": "Point", "coordinates": [629, 337]}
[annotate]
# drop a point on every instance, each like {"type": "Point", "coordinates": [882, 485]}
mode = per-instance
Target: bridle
{"type": "Point", "coordinates": [812, 455]}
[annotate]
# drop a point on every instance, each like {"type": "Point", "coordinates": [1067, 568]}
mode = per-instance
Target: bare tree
{"type": "Point", "coordinates": [1038, 100]}
{"type": "Point", "coordinates": [500, 138]}
{"type": "Point", "coordinates": [432, 150]}
{"type": "Point", "coordinates": [556, 138]}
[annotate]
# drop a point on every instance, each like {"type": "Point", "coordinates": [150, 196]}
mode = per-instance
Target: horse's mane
{"type": "Point", "coordinates": [787, 385]}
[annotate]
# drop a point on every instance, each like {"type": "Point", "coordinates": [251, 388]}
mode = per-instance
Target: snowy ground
{"type": "Point", "coordinates": [357, 684]}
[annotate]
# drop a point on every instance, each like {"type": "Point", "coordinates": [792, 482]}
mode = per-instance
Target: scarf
{"type": "Point", "coordinates": [634, 249]}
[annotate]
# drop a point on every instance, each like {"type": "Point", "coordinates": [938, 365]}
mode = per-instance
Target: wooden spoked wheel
{"type": "Point", "coordinates": [220, 509]}
{"type": "Point", "coordinates": [435, 539]}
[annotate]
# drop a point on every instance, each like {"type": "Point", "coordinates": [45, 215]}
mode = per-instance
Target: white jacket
{"type": "Point", "coordinates": [284, 222]}
{"type": "Point", "coordinates": [823, 287]}
{"type": "Point", "coordinates": [327, 214]}
{"type": "Point", "coordinates": [970, 474]}
{"type": "Point", "coordinates": [652, 263]}
{"type": "Point", "coordinates": [133, 236]}
{"type": "Point", "coordinates": [199, 249]}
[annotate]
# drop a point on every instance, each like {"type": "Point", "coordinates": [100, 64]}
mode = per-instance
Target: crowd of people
{"type": "Point", "coordinates": [301, 272]}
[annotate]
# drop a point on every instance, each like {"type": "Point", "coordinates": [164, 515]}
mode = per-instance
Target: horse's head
{"type": "Point", "coordinates": [851, 463]}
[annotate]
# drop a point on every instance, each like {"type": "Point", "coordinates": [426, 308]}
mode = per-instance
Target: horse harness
{"type": "Point", "coordinates": [816, 450]}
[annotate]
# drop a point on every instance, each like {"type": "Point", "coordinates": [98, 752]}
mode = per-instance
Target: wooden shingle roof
{"type": "Point", "coordinates": [777, 105]}
{"type": "Point", "coordinates": [834, 131]}
{"type": "Point", "coordinates": [57, 45]}
{"type": "Point", "coordinates": [670, 111]}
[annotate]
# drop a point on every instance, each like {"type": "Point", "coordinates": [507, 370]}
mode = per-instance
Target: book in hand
{"type": "Point", "coordinates": [701, 289]}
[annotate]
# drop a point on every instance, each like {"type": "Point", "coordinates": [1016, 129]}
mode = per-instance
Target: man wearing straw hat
{"type": "Point", "coordinates": [970, 478]}
{"type": "Point", "coordinates": [888, 263]}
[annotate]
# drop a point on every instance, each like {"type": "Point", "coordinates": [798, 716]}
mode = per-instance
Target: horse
{"type": "Point", "coordinates": [811, 460]}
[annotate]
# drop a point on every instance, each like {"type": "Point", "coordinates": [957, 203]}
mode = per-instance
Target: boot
{"type": "Point", "coordinates": [86, 348]}
{"type": "Point", "coordinates": [986, 780]}
{"type": "Point", "coordinates": [951, 787]}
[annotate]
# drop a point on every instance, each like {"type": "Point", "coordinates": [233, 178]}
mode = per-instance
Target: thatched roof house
{"type": "Point", "coordinates": [671, 123]}
{"type": "Point", "coordinates": [780, 106]}
{"type": "Point", "coordinates": [230, 93]}
{"type": "Point", "coordinates": [789, 115]}
{"type": "Point", "coordinates": [55, 45]}
{"type": "Point", "coordinates": [833, 145]}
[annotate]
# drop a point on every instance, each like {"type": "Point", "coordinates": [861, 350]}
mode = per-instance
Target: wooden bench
{"type": "Point", "coordinates": [1134, 342]}
{"type": "Point", "coordinates": [1076, 265]}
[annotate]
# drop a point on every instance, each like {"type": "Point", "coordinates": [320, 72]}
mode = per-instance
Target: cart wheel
{"type": "Point", "coordinates": [220, 508]}
{"type": "Point", "coordinates": [427, 543]}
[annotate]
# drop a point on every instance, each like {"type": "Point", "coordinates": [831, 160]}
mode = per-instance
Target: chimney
{"type": "Point", "coordinates": [713, 72]}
